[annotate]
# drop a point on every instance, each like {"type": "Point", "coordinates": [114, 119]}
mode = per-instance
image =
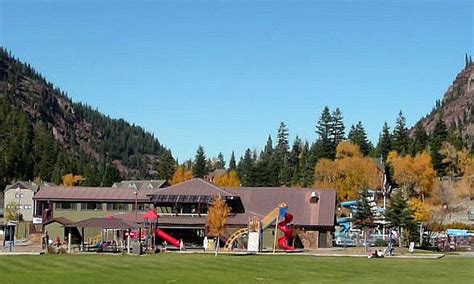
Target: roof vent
{"type": "Point", "coordinates": [314, 197]}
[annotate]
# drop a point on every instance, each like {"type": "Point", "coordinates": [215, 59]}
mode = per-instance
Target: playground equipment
{"type": "Point", "coordinates": [256, 227]}
{"type": "Point", "coordinates": [347, 236]}
{"type": "Point", "coordinates": [350, 236]}
{"type": "Point", "coordinates": [169, 239]}
{"type": "Point", "coordinates": [150, 218]}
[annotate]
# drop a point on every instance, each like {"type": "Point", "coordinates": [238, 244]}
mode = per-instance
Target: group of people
{"type": "Point", "coordinates": [47, 241]}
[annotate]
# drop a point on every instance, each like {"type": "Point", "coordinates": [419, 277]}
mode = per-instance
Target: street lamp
{"type": "Point", "coordinates": [136, 206]}
{"type": "Point", "coordinates": [18, 193]}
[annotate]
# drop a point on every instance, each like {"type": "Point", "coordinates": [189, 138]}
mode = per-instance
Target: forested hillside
{"type": "Point", "coordinates": [44, 135]}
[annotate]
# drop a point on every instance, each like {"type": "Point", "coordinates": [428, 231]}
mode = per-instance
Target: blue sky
{"type": "Point", "coordinates": [225, 73]}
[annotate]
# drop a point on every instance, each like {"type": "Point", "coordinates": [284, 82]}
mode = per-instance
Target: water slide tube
{"type": "Point", "coordinates": [345, 223]}
{"type": "Point", "coordinates": [287, 231]}
{"type": "Point", "coordinates": [169, 239]}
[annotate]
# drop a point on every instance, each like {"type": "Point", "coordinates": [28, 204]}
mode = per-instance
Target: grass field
{"type": "Point", "coordinates": [199, 268]}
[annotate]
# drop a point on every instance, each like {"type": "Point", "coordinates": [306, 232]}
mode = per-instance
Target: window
{"type": "Point", "coordinates": [18, 195]}
{"type": "Point", "coordinates": [90, 206]}
{"type": "Point", "coordinates": [143, 206]}
{"type": "Point", "coordinates": [27, 207]}
{"type": "Point", "coordinates": [65, 206]}
{"type": "Point", "coordinates": [117, 206]}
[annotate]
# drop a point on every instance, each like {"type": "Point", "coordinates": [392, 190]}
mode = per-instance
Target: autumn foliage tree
{"type": "Point", "coordinates": [229, 179]}
{"type": "Point", "coordinates": [71, 180]}
{"type": "Point", "coordinates": [181, 175]}
{"type": "Point", "coordinates": [421, 212]}
{"type": "Point", "coordinates": [413, 174]}
{"type": "Point", "coordinates": [349, 173]}
{"type": "Point", "coordinates": [217, 218]}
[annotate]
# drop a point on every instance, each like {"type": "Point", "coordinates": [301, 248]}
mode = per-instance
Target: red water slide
{"type": "Point", "coordinates": [169, 239]}
{"type": "Point", "coordinates": [287, 231]}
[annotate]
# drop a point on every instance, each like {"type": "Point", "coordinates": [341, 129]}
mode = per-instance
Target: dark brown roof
{"type": "Point", "coordinates": [61, 220]}
{"type": "Point", "coordinates": [259, 201]}
{"type": "Point", "coordinates": [103, 223]}
{"type": "Point", "coordinates": [195, 186]}
{"type": "Point", "coordinates": [77, 193]}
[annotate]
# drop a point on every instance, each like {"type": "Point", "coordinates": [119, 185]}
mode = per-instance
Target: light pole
{"type": "Point", "coordinates": [18, 193]}
{"type": "Point", "coordinates": [136, 206]}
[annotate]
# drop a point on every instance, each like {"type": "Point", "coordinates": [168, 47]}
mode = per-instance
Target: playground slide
{"type": "Point", "coordinates": [169, 239]}
{"type": "Point", "coordinates": [287, 231]}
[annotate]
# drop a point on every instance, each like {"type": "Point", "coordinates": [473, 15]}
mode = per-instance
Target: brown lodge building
{"type": "Point", "coordinates": [183, 208]}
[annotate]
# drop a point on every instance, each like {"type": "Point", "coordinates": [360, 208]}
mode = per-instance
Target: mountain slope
{"type": "Point", "coordinates": [456, 107]}
{"type": "Point", "coordinates": [87, 137]}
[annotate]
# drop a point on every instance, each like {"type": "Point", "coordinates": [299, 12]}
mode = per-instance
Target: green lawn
{"type": "Point", "coordinates": [199, 268]}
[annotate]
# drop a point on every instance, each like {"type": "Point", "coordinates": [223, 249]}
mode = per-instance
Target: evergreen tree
{"type": "Point", "coordinates": [399, 214]}
{"type": "Point", "coordinates": [420, 139]}
{"type": "Point", "coordinates": [323, 129]}
{"type": "Point", "coordinates": [337, 130]}
{"type": "Point", "coordinates": [110, 175]}
{"type": "Point", "coordinates": [91, 175]}
{"type": "Point", "coordinates": [439, 135]}
{"type": "Point", "coordinates": [166, 167]}
{"type": "Point", "coordinates": [245, 168]}
{"type": "Point", "coordinates": [268, 151]}
{"type": "Point", "coordinates": [364, 217]}
{"type": "Point", "coordinates": [232, 162]}
{"type": "Point", "coordinates": [358, 136]}
{"type": "Point", "coordinates": [400, 138]}
{"type": "Point", "coordinates": [220, 161]}
{"type": "Point", "coordinates": [282, 154]}
{"type": "Point", "coordinates": [294, 162]}
{"type": "Point", "coordinates": [200, 167]}
{"type": "Point", "coordinates": [384, 146]}
{"type": "Point", "coordinates": [306, 168]}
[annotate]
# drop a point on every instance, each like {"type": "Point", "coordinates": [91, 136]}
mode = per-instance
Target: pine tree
{"type": "Point", "coordinates": [268, 151]}
{"type": "Point", "coordinates": [245, 168]}
{"type": "Point", "coordinates": [220, 161]}
{"type": "Point", "coordinates": [420, 140]}
{"type": "Point", "coordinates": [363, 217]}
{"type": "Point", "coordinates": [294, 162]}
{"type": "Point", "coordinates": [400, 138]}
{"type": "Point", "coordinates": [282, 154]}
{"type": "Point", "coordinates": [439, 135]}
{"type": "Point", "coordinates": [337, 130]}
{"type": "Point", "coordinates": [358, 136]}
{"type": "Point", "coordinates": [384, 146]}
{"type": "Point", "coordinates": [306, 166]}
{"type": "Point", "coordinates": [323, 129]}
{"type": "Point", "coordinates": [232, 162]}
{"type": "Point", "coordinates": [110, 175]}
{"type": "Point", "coordinates": [399, 214]}
{"type": "Point", "coordinates": [166, 167]}
{"type": "Point", "coordinates": [200, 167]}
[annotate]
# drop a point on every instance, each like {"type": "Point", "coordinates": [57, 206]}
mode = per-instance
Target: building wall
{"type": "Point", "coordinates": [23, 198]}
{"type": "Point", "coordinates": [78, 214]}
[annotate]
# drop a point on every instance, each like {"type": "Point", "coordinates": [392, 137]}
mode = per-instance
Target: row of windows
{"type": "Point", "coordinates": [98, 206]}
{"type": "Point", "coordinates": [24, 206]}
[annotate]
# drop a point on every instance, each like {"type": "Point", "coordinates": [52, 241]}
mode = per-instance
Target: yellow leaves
{"type": "Point", "coordinates": [230, 179]}
{"type": "Point", "coordinates": [415, 172]}
{"type": "Point", "coordinates": [181, 175]}
{"type": "Point", "coordinates": [421, 212]}
{"type": "Point", "coordinates": [217, 217]}
{"type": "Point", "coordinates": [71, 180]}
{"type": "Point", "coordinates": [349, 173]}
{"type": "Point", "coordinates": [347, 150]}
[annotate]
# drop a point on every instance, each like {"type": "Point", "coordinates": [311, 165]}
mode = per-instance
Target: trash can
{"type": "Point", "coordinates": [137, 248]}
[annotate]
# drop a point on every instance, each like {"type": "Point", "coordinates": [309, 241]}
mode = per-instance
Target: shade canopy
{"type": "Point", "coordinates": [151, 215]}
{"type": "Point", "coordinates": [103, 223]}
